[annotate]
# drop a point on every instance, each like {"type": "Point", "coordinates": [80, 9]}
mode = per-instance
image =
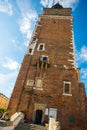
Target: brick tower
{"type": "Point", "coordinates": [48, 83]}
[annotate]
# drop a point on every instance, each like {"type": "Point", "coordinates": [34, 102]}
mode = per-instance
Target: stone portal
{"type": "Point", "coordinates": [39, 110]}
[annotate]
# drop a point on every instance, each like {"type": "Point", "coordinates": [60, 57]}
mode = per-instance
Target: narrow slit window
{"type": "Point", "coordinates": [67, 87]}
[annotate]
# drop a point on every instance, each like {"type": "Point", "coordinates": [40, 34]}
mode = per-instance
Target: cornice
{"type": "Point", "coordinates": [56, 17]}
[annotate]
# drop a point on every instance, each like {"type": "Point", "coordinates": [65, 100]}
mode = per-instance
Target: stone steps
{"type": "Point", "coordinates": [36, 127]}
{"type": "Point", "coordinates": [23, 126]}
{"type": "Point", "coordinates": [26, 126]}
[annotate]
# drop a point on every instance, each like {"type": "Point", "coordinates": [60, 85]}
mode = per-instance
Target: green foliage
{"type": "Point", "coordinates": [2, 110]}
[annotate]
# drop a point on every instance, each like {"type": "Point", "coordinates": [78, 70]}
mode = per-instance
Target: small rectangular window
{"type": "Point", "coordinates": [34, 39]}
{"type": "Point", "coordinates": [67, 88]}
{"type": "Point", "coordinates": [41, 47]}
{"type": "Point", "coordinates": [45, 58]}
{"type": "Point", "coordinates": [30, 50]}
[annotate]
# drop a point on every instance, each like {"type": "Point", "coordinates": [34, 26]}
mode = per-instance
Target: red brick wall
{"type": "Point", "coordinates": [19, 85]}
{"type": "Point", "coordinates": [56, 34]}
{"type": "Point", "coordinates": [63, 12]}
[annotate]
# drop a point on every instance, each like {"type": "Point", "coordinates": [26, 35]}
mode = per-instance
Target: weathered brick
{"type": "Point", "coordinates": [56, 33]}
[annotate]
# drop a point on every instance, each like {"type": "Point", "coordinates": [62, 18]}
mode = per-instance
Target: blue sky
{"type": "Point", "coordinates": [17, 21]}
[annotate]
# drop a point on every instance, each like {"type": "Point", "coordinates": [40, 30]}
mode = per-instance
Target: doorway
{"type": "Point", "coordinates": [38, 116]}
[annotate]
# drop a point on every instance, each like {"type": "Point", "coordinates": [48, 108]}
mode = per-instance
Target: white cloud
{"type": "Point", "coordinates": [7, 82]}
{"type": "Point", "coordinates": [15, 43]}
{"type": "Point", "coordinates": [10, 64]}
{"type": "Point", "coordinates": [69, 3]}
{"type": "Point", "coordinates": [6, 7]}
{"type": "Point", "coordinates": [82, 55]}
{"type": "Point", "coordinates": [47, 3]}
{"type": "Point", "coordinates": [26, 25]}
{"type": "Point", "coordinates": [64, 3]}
{"type": "Point", "coordinates": [27, 20]}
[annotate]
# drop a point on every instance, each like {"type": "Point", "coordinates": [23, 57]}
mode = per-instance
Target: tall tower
{"type": "Point", "coordinates": [48, 83]}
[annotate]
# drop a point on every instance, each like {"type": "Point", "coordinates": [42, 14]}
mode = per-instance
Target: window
{"type": "Point", "coordinates": [44, 58]}
{"type": "Point", "coordinates": [34, 39]}
{"type": "Point", "coordinates": [67, 88]}
{"type": "Point", "coordinates": [41, 47]}
{"type": "Point", "coordinates": [53, 112]}
{"type": "Point", "coordinates": [30, 83]}
{"type": "Point", "coordinates": [30, 50]}
{"type": "Point", "coordinates": [38, 82]}
{"type": "Point", "coordinates": [72, 118]}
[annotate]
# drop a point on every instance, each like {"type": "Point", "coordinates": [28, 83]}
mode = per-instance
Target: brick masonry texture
{"type": "Point", "coordinates": [56, 34]}
{"type": "Point", "coordinates": [3, 101]}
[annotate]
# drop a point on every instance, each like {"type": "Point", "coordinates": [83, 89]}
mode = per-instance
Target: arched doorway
{"type": "Point", "coordinates": [38, 116]}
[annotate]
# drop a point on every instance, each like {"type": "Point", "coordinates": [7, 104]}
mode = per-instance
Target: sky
{"type": "Point", "coordinates": [17, 22]}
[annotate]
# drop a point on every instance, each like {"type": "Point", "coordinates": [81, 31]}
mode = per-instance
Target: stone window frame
{"type": "Point", "coordinates": [30, 50]}
{"type": "Point", "coordinates": [30, 83]}
{"type": "Point", "coordinates": [68, 93]}
{"type": "Point", "coordinates": [34, 39]}
{"type": "Point", "coordinates": [39, 106]}
{"type": "Point", "coordinates": [42, 48]}
{"type": "Point", "coordinates": [35, 86]}
{"type": "Point", "coordinates": [43, 57]}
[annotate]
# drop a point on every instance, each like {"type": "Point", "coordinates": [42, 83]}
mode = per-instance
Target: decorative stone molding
{"type": "Point", "coordinates": [39, 106]}
{"type": "Point", "coordinates": [56, 17]}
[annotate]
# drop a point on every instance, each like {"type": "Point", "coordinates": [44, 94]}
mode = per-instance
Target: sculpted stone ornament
{"type": "Point", "coordinates": [5, 116]}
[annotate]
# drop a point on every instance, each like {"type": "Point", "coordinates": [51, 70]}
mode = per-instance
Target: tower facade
{"type": "Point", "coordinates": [48, 83]}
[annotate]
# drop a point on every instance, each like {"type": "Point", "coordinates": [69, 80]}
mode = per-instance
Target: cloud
{"type": "Point", "coordinates": [64, 3]}
{"type": "Point", "coordinates": [82, 55]}
{"type": "Point", "coordinates": [10, 64]}
{"type": "Point", "coordinates": [47, 3]}
{"type": "Point", "coordinates": [69, 3]}
{"type": "Point", "coordinates": [27, 19]}
{"type": "Point", "coordinates": [7, 82]}
{"type": "Point", "coordinates": [6, 7]}
{"type": "Point", "coordinates": [15, 43]}
{"type": "Point", "coordinates": [26, 24]}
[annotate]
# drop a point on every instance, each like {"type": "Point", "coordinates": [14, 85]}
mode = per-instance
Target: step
{"type": "Point", "coordinates": [27, 126]}
{"type": "Point", "coordinates": [37, 127]}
